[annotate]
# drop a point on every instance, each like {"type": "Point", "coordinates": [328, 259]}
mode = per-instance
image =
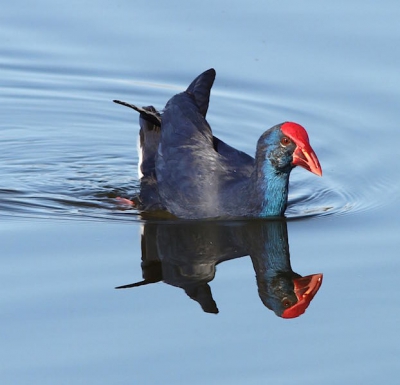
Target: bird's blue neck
{"type": "Point", "coordinates": [273, 189]}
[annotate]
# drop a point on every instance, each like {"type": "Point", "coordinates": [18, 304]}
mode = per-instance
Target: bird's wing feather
{"type": "Point", "coordinates": [187, 166]}
{"type": "Point", "coordinates": [200, 89]}
{"type": "Point", "coordinates": [235, 160]}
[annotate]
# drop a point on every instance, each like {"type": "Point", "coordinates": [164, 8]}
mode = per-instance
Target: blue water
{"type": "Point", "coordinates": [67, 151]}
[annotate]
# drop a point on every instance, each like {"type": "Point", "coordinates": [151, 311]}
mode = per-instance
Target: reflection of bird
{"type": "Point", "coordinates": [185, 254]}
{"type": "Point", "coordinates": [192, 174]}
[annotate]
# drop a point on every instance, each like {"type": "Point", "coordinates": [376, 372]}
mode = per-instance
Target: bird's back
{"type": "Point", "coordinates": [197, 172]}
{"type": "Point", "coordinates": [186, 163]}
{"type": "Point", "coordinates": [184, 169]}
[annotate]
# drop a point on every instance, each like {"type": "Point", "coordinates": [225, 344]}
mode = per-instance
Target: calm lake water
{"type": "Point", "coordinates": [67, 151]}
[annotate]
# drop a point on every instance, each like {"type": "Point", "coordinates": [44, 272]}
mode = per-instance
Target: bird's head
{"type": "Point", "coordinates": [289, 294]}
{"type": "Point", "coordinates": [287, 145]}
{"type": "Point", "coordinates": [305, 289]}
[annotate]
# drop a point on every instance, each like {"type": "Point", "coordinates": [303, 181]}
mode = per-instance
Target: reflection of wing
{"type": "Point", "coordinates": [185, 254]}
{"type": "Point", "coordinates": [200, 242]}
{"type": "Point", "coordinates": [190, 252]}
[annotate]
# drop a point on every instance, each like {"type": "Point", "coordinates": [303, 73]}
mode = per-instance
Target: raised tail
{"type": "Point", "coordinates": [148, 113]}
{"type": "Point", "coordinates": [149, 137]}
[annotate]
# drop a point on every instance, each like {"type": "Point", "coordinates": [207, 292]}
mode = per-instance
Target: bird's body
{"type": "Point", "coordinates": [192, 174]}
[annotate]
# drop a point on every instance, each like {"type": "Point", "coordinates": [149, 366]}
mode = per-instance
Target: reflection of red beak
{"type": "Point", "coordinates": [305, 289]}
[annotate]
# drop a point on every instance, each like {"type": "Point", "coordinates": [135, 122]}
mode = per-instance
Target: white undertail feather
{"type": "Point", "coordinates": [139, 150]}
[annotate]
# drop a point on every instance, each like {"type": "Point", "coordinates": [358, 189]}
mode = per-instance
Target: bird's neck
{"type": "Point", "coordinates": [273, 190]}
{"type": "Point", "coordinates": [270, 248]}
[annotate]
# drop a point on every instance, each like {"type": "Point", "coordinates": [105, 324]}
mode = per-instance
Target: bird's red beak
{"type": "Point", "coordinates": [305, 289]}
{"type": "Point", "coordinates": [304, 156]}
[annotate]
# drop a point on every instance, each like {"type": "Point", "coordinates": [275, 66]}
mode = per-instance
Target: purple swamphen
{"type": "Point", "coordinates": [188, 172]}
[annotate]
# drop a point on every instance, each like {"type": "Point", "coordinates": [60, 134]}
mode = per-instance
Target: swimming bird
{"type": "Point", "coordinates": [189, 173]}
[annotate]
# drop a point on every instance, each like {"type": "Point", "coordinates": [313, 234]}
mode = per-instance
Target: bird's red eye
{"type": "Point", "coordinates": [285, 141]}
{"type": "Point", "coordinates": [286, 302]}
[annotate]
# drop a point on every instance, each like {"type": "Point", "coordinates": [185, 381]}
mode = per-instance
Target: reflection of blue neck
{"type": "Point", "coordinates": [271, 262]}
{"type": "Point", "coordinates": [274, 190]}
{"type": "Point", "coordinates": [276, 250]}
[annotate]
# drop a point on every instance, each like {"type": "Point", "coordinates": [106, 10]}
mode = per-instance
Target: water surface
{"type": "Point", "coordinates": [67, 151]}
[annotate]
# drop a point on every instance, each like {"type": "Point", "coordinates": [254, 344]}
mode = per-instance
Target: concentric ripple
{"type": "Point", "coordinates": [99, 203]}
{"type": "Point", "coordinates": [74, 167]}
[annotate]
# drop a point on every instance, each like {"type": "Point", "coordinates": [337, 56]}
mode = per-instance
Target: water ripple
{"type": "Point", "coordinates": [319, 202]}
{"type": "Point", "coordinates": [99, 203]}
{"type": "Point", "coordinates": [73, 166]}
